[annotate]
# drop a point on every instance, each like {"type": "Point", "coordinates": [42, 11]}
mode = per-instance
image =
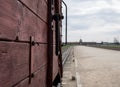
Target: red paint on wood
{"type": "Point", "coordinates": [8, 19]}
{"type": "Point", "coordinates": [38, 6]}
{"type": "Point", "coordinates": [39, 56]}
{"type": "Point", "coordinates": [39, 80]}
{"type": "Point", "coordinates": [17, 20]}
{"type": "Point", "coordinates": [14, 61]}
{"type": "Point", "coordinates": [31, 25]}
{"type": "Point", "coordinates": [42, 30]}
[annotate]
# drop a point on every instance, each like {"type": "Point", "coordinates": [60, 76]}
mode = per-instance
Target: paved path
{"type": "Point", "coordinates": [97, 67]}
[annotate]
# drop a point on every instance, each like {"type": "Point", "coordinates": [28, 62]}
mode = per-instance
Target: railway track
{"type": "Point", "coordinates": [66, 55]}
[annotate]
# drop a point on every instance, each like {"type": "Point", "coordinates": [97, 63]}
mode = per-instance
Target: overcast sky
{"type": "Point", "coordinates": [93, 20]}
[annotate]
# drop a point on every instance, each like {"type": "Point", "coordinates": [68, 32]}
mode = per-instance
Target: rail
{"type": "Point", "coordinates": [66, 55]}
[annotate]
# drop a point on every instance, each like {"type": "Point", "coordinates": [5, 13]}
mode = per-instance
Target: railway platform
{"type": "Point", "coordinates": [92, 67]}
{"type": "Point", "coordinates": [97, 67]}
{"type": "Point", "coordinates": [69, 76]}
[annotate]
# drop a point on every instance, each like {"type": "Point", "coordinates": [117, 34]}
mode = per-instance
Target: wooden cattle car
{"type": "Point", "coordinates": [30, 43]}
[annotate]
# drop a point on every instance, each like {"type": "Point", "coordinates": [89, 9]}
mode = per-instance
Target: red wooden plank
{"type": "Point", "coordinates": [32, 4]}
{"type": "Point", "coordinates": [41, 32]}
{"type": "Point", "coordinates": [42, 9]}
{"type": "Point", "coordinates": [39, 80]}
{"type": "Point", "coordinates": [31, 25]}
{"type": "Point", "coordinates": [14, 60]}
{"type": "Point", "coordinates": [38, 6]}
{"type": "Point", "coordinates": [14, 63]}
{"type": "Point", "coordinates": [39, 56]}
{"type": "Point", "coordinates": [17, 20]}
{"type": "Point", "coordinates": [8, 19]}
{"type": "Point", "coordinates": [46, 0]}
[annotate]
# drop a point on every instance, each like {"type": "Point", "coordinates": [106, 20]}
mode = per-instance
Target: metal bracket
{"type": "Point", "coordinates": [31, 75]}
{"type": "Point", "coordinates": [57, 17]}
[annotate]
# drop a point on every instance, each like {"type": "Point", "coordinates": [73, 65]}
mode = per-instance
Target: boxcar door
{"type": "Point", "coordinates": [57, 38]}
{"type": "Point", "coordinates": [54, 39]}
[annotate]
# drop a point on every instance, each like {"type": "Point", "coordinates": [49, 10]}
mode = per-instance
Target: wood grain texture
{"type": "Point", "coordinates": [31, 25]}
{"type": "Point", "coordinates": [19, 21]}
{"type": "Point", "coordinates": [38, 6]}
{"type": "Point", "coordinates": [39, 56]}
{"type": "Point", "coordinates": [24, 19]}
{"type": "Point", "coordinates": [14, 61]}
{"type": "Point", "coordinates": [39, 80]}
{"type": "Point", "coordinates": [8, 19]}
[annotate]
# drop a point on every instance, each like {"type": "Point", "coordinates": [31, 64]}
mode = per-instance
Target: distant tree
{"type": "Point", "coordinates": [80, 41]}
{"type": "Point", "coordinates": [102, 42]}
{"type": "Point", "coordinates": [116, 41]}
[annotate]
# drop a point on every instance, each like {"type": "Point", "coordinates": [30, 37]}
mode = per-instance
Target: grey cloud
{"type": "Point", "coordinates": [103, 18]}
{"type": "Point", "coordinates": [117, 32]}
{"type": "Point", "coordinates": [79, 26]}
{"type": "Point", "coordinates": [106, 15]}
{"type": "Point", "coordinates": [110, 16]}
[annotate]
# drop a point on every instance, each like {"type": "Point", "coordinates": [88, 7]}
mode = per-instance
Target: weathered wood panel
{"type": "Point", "coordinates": [38, 6]}
{"type": "Point", "coordinates": [17, 20]}
{"type": "Point", "coordinates": [39, 80]}
{"type": "Point", "coordinates": [42, 31]}
{"type": "Point", "coordinates": [42, 9]}
{"type": "Point", "coordinates": [31, 25]}
{"type": "Point", "coordinates": [46, 0]}
{"type": "Point", "coordinates": [24, 21]}
{"type": "Point", "coordinates": [14, 60]}
{"type": "Point", "coordinates": [14, 63]}
{"type": "Point", "coordinates": [39, 56]}
{"type": "Point", "coordinates": [8, 19]}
